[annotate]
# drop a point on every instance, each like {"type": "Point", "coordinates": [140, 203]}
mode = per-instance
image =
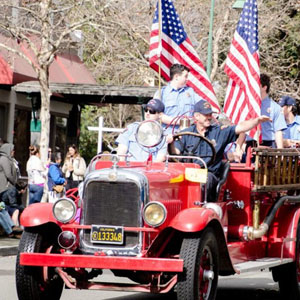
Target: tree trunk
{"type": "Point", "coordinates": [45, 112]}
{"type": "Point", "coordinates": [43, 77]}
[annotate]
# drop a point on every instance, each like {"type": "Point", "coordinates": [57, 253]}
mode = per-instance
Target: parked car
{"type": "Point", "coordinates": [150, 222]}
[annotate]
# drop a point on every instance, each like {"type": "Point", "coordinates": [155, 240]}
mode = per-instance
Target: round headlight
{"type": "Point", "coordinates": [64, 210]}
{"type": "Point", "coordinates": [155, 214]}
{"type": "Point", "coordinates": [149, 133]}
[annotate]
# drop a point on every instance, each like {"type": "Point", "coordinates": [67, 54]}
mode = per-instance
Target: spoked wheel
{"type": "Point", "coordinates": [288, 275]}
{"type": "Point", "coordinates": [199, 279]}
{"type": "Point", "coordinates": [36, 283]}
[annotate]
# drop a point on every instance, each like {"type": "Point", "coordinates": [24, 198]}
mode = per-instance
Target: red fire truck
{"type": "Point", "coordinates": [150, 222]}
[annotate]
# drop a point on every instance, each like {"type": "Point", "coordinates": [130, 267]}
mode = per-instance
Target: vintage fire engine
{"type": "Point", "coordinates": [150, 222]}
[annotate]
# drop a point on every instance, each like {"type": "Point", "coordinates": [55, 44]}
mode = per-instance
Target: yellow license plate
{"type": "Point", "coordinates": [107, 234]}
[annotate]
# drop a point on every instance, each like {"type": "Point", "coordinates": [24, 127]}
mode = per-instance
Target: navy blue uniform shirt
{"type": "Point", "coordinates": [220, 138]}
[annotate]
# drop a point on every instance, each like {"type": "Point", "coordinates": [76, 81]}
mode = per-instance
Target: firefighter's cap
{"type": "Point", "coordinates": [287, 100]}
{"type": "Point", "coordinates": [155, 105]}
{"type": "Point", "coordinates": [203, 107]}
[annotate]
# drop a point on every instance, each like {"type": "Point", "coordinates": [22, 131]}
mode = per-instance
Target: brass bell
{"type": "Point", "coordinates": [184, 123]}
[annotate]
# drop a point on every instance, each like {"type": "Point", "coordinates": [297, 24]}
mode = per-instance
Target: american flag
{"type": "Point", "coordinates": [175, 47]}
{"type": "Point", "coordinates": [243, 100]}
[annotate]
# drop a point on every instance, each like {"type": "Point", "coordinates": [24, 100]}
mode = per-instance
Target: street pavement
{"type": "Point", "coordinates": [252, 286]}
{"type": "Point", "coordinates": [249, 286]}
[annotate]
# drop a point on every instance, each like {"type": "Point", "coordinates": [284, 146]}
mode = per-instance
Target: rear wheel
{"type": "Point", "coordinates": [288, 276]}
{"type": "Point", "coordinates": [199, 279]}
{"type": "Point", "coordinates": [36, 283]}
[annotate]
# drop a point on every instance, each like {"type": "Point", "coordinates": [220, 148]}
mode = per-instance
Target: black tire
{"type": "Point", "coordinates": [29, 280]}
{"type": "Point", "coordinates": [288, 275]}
{"type": "Point", "coordinates": [201, 259]}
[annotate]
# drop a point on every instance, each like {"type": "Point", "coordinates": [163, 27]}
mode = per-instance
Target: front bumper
{"type": "Point", "coordinates": [102, 262]}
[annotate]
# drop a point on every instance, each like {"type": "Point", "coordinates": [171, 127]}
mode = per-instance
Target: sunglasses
{"type": "Point", "coordinates": [152, 112]}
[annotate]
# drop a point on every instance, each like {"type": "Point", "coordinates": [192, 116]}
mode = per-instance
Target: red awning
{"type": "Point", "coordinates": [65, 68]}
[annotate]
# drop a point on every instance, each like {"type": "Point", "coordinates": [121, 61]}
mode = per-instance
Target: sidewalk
{"type": "Point", "coordinates": [8, 246]}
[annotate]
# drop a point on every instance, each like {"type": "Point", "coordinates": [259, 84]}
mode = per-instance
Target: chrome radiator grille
{"type": "Point", "coordinates": [112, 203]}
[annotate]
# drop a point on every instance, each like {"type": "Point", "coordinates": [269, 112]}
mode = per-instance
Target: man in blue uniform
{"type": "Point", "coordinates": [291, 135]}
{"type": "Point", "coordinates": [178, 98]}
{"type": "Point", "coordinates": [271, 131]}
{"type": "Point", "coordinates": [219, 136]}
{"type": "Point", "coordinates": [127, 143]}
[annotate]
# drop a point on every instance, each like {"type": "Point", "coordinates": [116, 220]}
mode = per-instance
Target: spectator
{"type": "Point", "coordinates": [127, 143]}
{"type": "Point", "coordinates": [74, 167]}
{"type": "Point", "coordinates": [271, 131]}
{"type": "Point", "coordinates": [13, 200]}
{"type": "Point", "coordinates": [2, 141]}
{"type": "Point", "coordinates": [8, 173]}
{"type": "Point", "coordinates": [291, 135]}
{"type": "Point", "coordinates": [178, 98]}
{"type": "Point", "coordinates": [7, 224]}
{"type": "Point", "coordinates": [55, 178]}
{"type": "Point", "coordinates": [37, 175]}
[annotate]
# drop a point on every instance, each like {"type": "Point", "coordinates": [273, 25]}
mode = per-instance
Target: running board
{"type": "Point", "coordinates": [261, 264]}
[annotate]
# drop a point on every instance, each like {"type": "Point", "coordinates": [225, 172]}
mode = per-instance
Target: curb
{"type": "Point", "coordinates": [8, 246]}
{"type": "Point", "coordinates": [8, 250]}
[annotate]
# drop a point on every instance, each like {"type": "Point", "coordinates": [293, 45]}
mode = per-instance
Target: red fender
{"type": "Point", "coordinates": [193, 219]}
{"type": "Point", "coordinates": [37, 214]}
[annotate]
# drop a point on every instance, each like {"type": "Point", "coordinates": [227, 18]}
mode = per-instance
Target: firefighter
{"type": "Point", "coordinates": [220, 136]}
{"type": "Point", "coordinates": [127, 143]}
{"type": "Point", "coordinates": [291, 135]}
{"type": "Point", "coordinates": [178, 98]}
{"type": "Point", "coordinates": [271, 131]}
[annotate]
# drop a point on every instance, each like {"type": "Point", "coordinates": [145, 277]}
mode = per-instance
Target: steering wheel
{"type": "Point", "coordinates": [186, 151]}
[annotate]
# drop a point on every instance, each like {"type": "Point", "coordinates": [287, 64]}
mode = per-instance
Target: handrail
{"type": "Point", "coordinates": [185, 156]}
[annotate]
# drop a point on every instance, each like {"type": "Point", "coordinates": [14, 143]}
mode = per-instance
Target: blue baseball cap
{"type": "Point", "coordinates": [155, 105]}
{"type": "Point", "coordinates": [203, 107]}
{"type": "Point", "coordinates": [287, 100]}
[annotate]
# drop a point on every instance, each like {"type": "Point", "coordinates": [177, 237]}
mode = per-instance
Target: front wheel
{"type": "Point", "coordinates": [288, 275]}
{"type": "Point", "coordinates": [199, 279]}
{"type": "Point", "coordinates": [36, 283]}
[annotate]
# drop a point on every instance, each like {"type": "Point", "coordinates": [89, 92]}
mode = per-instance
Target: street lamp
{"type": "Point", "coordinates": [239, 4]}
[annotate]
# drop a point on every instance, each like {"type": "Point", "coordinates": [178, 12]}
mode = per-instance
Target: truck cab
{"type": "Point", "coordinates": [151, 222]}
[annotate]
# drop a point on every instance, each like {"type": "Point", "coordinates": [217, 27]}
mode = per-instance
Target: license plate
{"type": "Point", "coordinates": [107, 234]}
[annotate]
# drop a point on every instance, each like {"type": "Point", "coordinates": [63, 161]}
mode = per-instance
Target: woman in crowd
{"type": "Point", "coordinates": [56, 180]}
{"type": "Point", "coordinates": [74, 167]}
{"type": "Point", "coordinates": [37, 174]}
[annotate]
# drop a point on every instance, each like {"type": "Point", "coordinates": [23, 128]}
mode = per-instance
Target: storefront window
{"type": "Point", "coordinates": [61, 134]}
{"type": "Point", "coordinates": [21, 138]}
{"type": "Point", "coordinates": [2, 122]}
{"type": "Point", "coordinates": [57, 137]}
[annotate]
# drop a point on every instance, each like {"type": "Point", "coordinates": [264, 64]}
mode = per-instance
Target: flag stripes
{"type": "Point", "coordinates": [180, 51]}
{"type": "Point", "coordinates": [243, 100]}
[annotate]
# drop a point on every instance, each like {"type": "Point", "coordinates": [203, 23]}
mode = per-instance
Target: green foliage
{"type": "Point", "coordinates": [115, 116]}
{"type": "Point", "coordinates": [88, 139]}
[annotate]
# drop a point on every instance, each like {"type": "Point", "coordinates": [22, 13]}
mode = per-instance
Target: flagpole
{"type": "Point", "coordinates": [159, 47]}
